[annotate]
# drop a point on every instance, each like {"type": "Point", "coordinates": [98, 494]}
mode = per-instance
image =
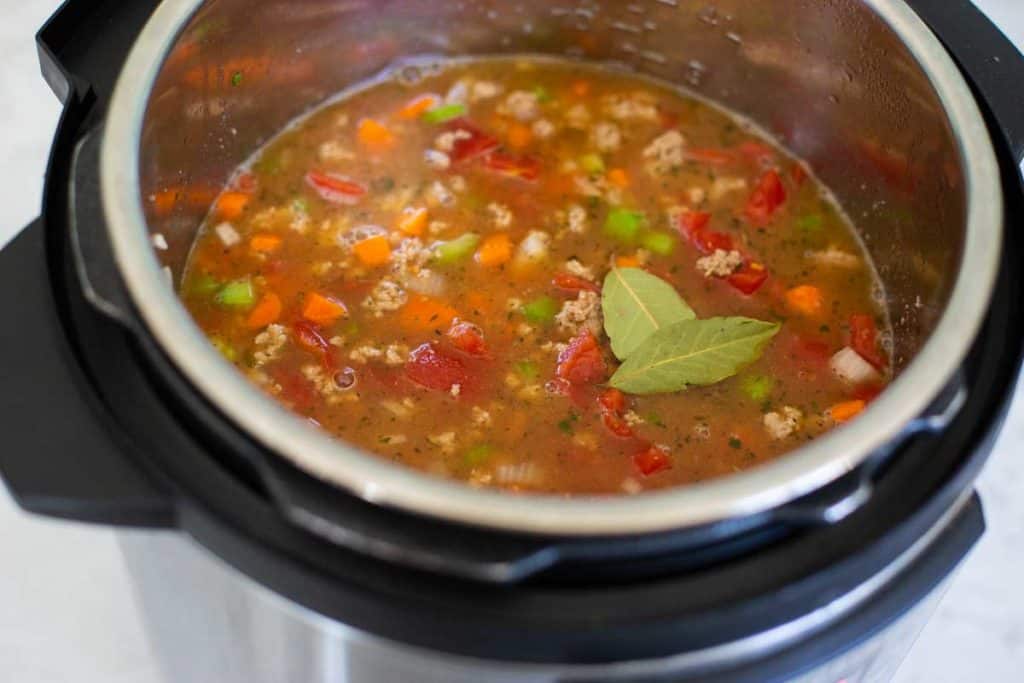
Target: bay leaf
{"type": "Point", "coordinates": [693, 352]}
{"type": "Point", "coordinates": [637, 304]}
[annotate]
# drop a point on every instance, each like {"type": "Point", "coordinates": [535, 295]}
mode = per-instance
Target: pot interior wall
{"type": "Point", "coordinates": [829, 79]}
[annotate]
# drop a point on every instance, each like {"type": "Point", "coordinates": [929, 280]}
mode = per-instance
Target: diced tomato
{"type": "Point", "coordinates": [652, 460]}
{"type": "Point", "coordinates": [477, 144]}
{"type": "Point", "coordinates": [811, 351]}
{"type": "Point", "coordinates": [308, 336]}
{"type": "Point", "coordinates": [757, 152]}
{"type": "Point", "coordinates": [431, 368]}
{"type": "Point", "coordinates": [295, 388]}
{"type": "Point", "coordinates": [711, 157]}
{"type": "Point", "coordinates": [336, 189]}
{"type": "Point", "coordinates": [766, 199]}
{"type": "Point", "coordinates": [582, 362]}
{"type": "Point", "coordinates": [572, 284]}
{"type": "Point", "coordinates": [468, 338]}
{"type": "Point", "coordinates": [616, 425]}
{"type": "Point", "coordinates": [867, 392]}
{"type": "Point", "coordinates": [749, 278]}
{"type": "Point", "coordinates": [612, 400]}
{"type": "Point", "coordinates": [526, 168]}
{"type": "Point", "coordinates": [693, 225]}
{"type": "Point", "coordinates": [246, 182]}
{"type": "Point", "coordinates": [798, 174]}
{"type": "Point", "coordinates": [864, 339]}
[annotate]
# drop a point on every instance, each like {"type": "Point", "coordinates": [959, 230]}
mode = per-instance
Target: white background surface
{"type": "Point", "coordinates": [65, 612]}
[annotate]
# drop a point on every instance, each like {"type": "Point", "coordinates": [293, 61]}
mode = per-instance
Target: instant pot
{"type": "Point", "coordinates": [262, 551]}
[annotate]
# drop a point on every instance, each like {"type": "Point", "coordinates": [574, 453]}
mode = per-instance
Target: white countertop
{"type": "Point", "coordinates": [65, 612]}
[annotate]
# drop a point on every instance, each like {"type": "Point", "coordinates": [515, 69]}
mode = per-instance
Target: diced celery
{"type": "Point", "coordinates": [458, 249]}
{"type": "Point", "coordinates": [203, 285]}
{"type": "Point", "coordinates": [542, 310]}
{"type": "Point", "coordinates": [624, 225]}
{"type": "Point", "coordinates": [758, 387]}
{"type": "Point", "coordinates": [444, 113]}
{"type": "Point", "coordinates": [300, 205]}
{"type": "Point", "coordinates": [226, 349]}
{"type": "Point", "coordinates": [237, 294]}
{"type": "Point", "coordinates": [542, 94]}
{"type": "Point", "coordinates": [592, 163]}
{"type": "Point", "coordinates": [810, 223]}
{"type": "Point", "coordinates": [659, 243]}
{"type": "Point", "coordinates": [528, 370]}
{"type": "Point", "coordinates": [478, 455]}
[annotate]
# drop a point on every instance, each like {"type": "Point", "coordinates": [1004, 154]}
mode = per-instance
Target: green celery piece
{"type": "Point", "coordinates": [300, 205]}
{"type": "Point", "coordinates": [592, 164]}
{"type": "Point", "coordinates": [458, 249]}
{"type": "Point", "coordinates": [758, 387]}
{"type": "Point", "coordinates": [204, 285]}
{"type": "Point", "coordinates": [624, 225]}
{"type": "Point", "coordinates": [237, 294]}
{"type": "Point", "coordinates": [528, 370]}
{"type": "Point", "coordinates": [660, 243]}
{"type": "Point", "coordinates": [542, 94]}
{"type": "Point", "coordinates": [810, 223]}
{"type": "Point", "coordinates": [478, 455]}
{"type": "Point", "coordinates": [444, 113]}
{"type": "Point", "coordinates": [542, 310]}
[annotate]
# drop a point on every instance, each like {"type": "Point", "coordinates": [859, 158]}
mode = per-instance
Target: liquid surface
{"type": "Point", "coordinates": [418, 268]}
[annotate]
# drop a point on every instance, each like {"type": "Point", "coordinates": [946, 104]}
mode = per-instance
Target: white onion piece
{"type": "Point", "coordinates": [227, 234]}
{"type": "Point", "coordinates": [534, 247]}
{"type": "Point", "coordinates": [522, 474]}
{"type": "Point", "coordinates": [851, 367]}
{"type": "Point", "coordinates": [426, 282]}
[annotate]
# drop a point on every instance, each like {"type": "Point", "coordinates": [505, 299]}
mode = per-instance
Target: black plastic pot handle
{"type": "Point", "coordinates": [993, 65]}
{"type": "Point", "coordinates": [59, 457]}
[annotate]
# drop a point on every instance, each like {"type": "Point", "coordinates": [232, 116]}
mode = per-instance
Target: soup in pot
{"type": "Point", "coordinates": [542, 276]}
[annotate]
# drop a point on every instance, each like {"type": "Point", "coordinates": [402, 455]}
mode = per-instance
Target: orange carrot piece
{"type": "Point", "coordinates": [165, 201]}
{"type": "Point", "coordinates": [519, 136]}
{"type": "Point", "coordinates": [580, 88]}
{"type": "Point", "coordinates": [495, 251]}
{"type": "Point", "coordinates": [413, 221]}
{"type": "Point", "coordinates": [266, 312]}
{"type": "Point", "coordinates": [264, 243]}
{"type": "Point", "coordinates": [619, 178]}
{"type": "Point", "coordinates": [423, 313]}
{"type": "Point", "coordinates": [627, 262]}
{"type": "Point", "coordinates": [417, 107]}
{"type": "Point", "coordinates": [375, 251]}
{"type": "Point", "coordinates": [322, 310]}
{"type": "Point", "coordinates": [844, 412]}
{"type": "Point", "coordinates": [806, 300]}
{"type": "Point", "coordinates": [375, 134]}
{"type": "Point", "coordinates": [230, 205]}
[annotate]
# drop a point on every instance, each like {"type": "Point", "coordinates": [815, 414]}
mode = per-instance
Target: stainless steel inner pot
{"type": "Point", "coordinates": [861, 89]}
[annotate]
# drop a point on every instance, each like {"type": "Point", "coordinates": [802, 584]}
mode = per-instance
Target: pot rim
{"type": "Point", "coordinates": [375, 480]}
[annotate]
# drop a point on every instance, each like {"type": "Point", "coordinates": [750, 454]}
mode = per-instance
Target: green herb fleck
{"type": "Point", "coordinates": [810, 223]}
{"type": "Point", "coordinates": [528, 370]}
{"type": "Point", "coordinates": [478, 455]}
{"type": "Point", "coordinates": [758, 387]}
{"type": "Point", "coordinates": [735, 443]}
{"type": "Point", "coordinates": [236, 79]}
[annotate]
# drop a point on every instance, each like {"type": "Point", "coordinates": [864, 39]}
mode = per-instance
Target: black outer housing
{"type": "Point", "coordinates": [132, 444]}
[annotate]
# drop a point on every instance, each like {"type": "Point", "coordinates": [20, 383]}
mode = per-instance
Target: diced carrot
{"type": "Point", "coordinates": [230, 205]}
{"type": "Point", "coordinates": [375, 134]}
{"type": "Point", "coordinates": [844, 412]}
{"type": "Point", "coordinates": [519, 136]}
{"type": "Point", "coordinates": [413, 221]}
{"type": "Point", "coordinates": [495, 251]}
{"type": "Point", "coordinates": [266, 312]}
{"type": "Point", "coordinates": [423, 313]}
{"type": "Point", "coordinates": [580, 88]}
{"type": "Point", "coordinates": [322, 310]}
{"type": "Point", "coordinates": [165, 201]}
{"type": "Point", "coordinates": [375, 251]}
{"type": "Point", "coordinates": [806, 300]}
{"type": "Point", "coordinates": [418, 106]}
{"type": "Point", "coordinates": [627, 262]}
{"type": "Point", "coordinates": [264, 243]}
{"type": "Point", "coordinates": [619, 178]}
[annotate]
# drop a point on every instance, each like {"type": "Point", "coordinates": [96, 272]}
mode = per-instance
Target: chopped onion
{"type": "Point", "coordinates": [426, 282]}
{"type": "Point", "coordinates": [851, 367]}
{"type": "Point", "coordinates": [227, 234]}
{"type": "Point", "coordinates": [835, 258]}
{"type": "Point", "coordinates": [534, 247]}
{"type": "Point", "coordinates": [523, 474]}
